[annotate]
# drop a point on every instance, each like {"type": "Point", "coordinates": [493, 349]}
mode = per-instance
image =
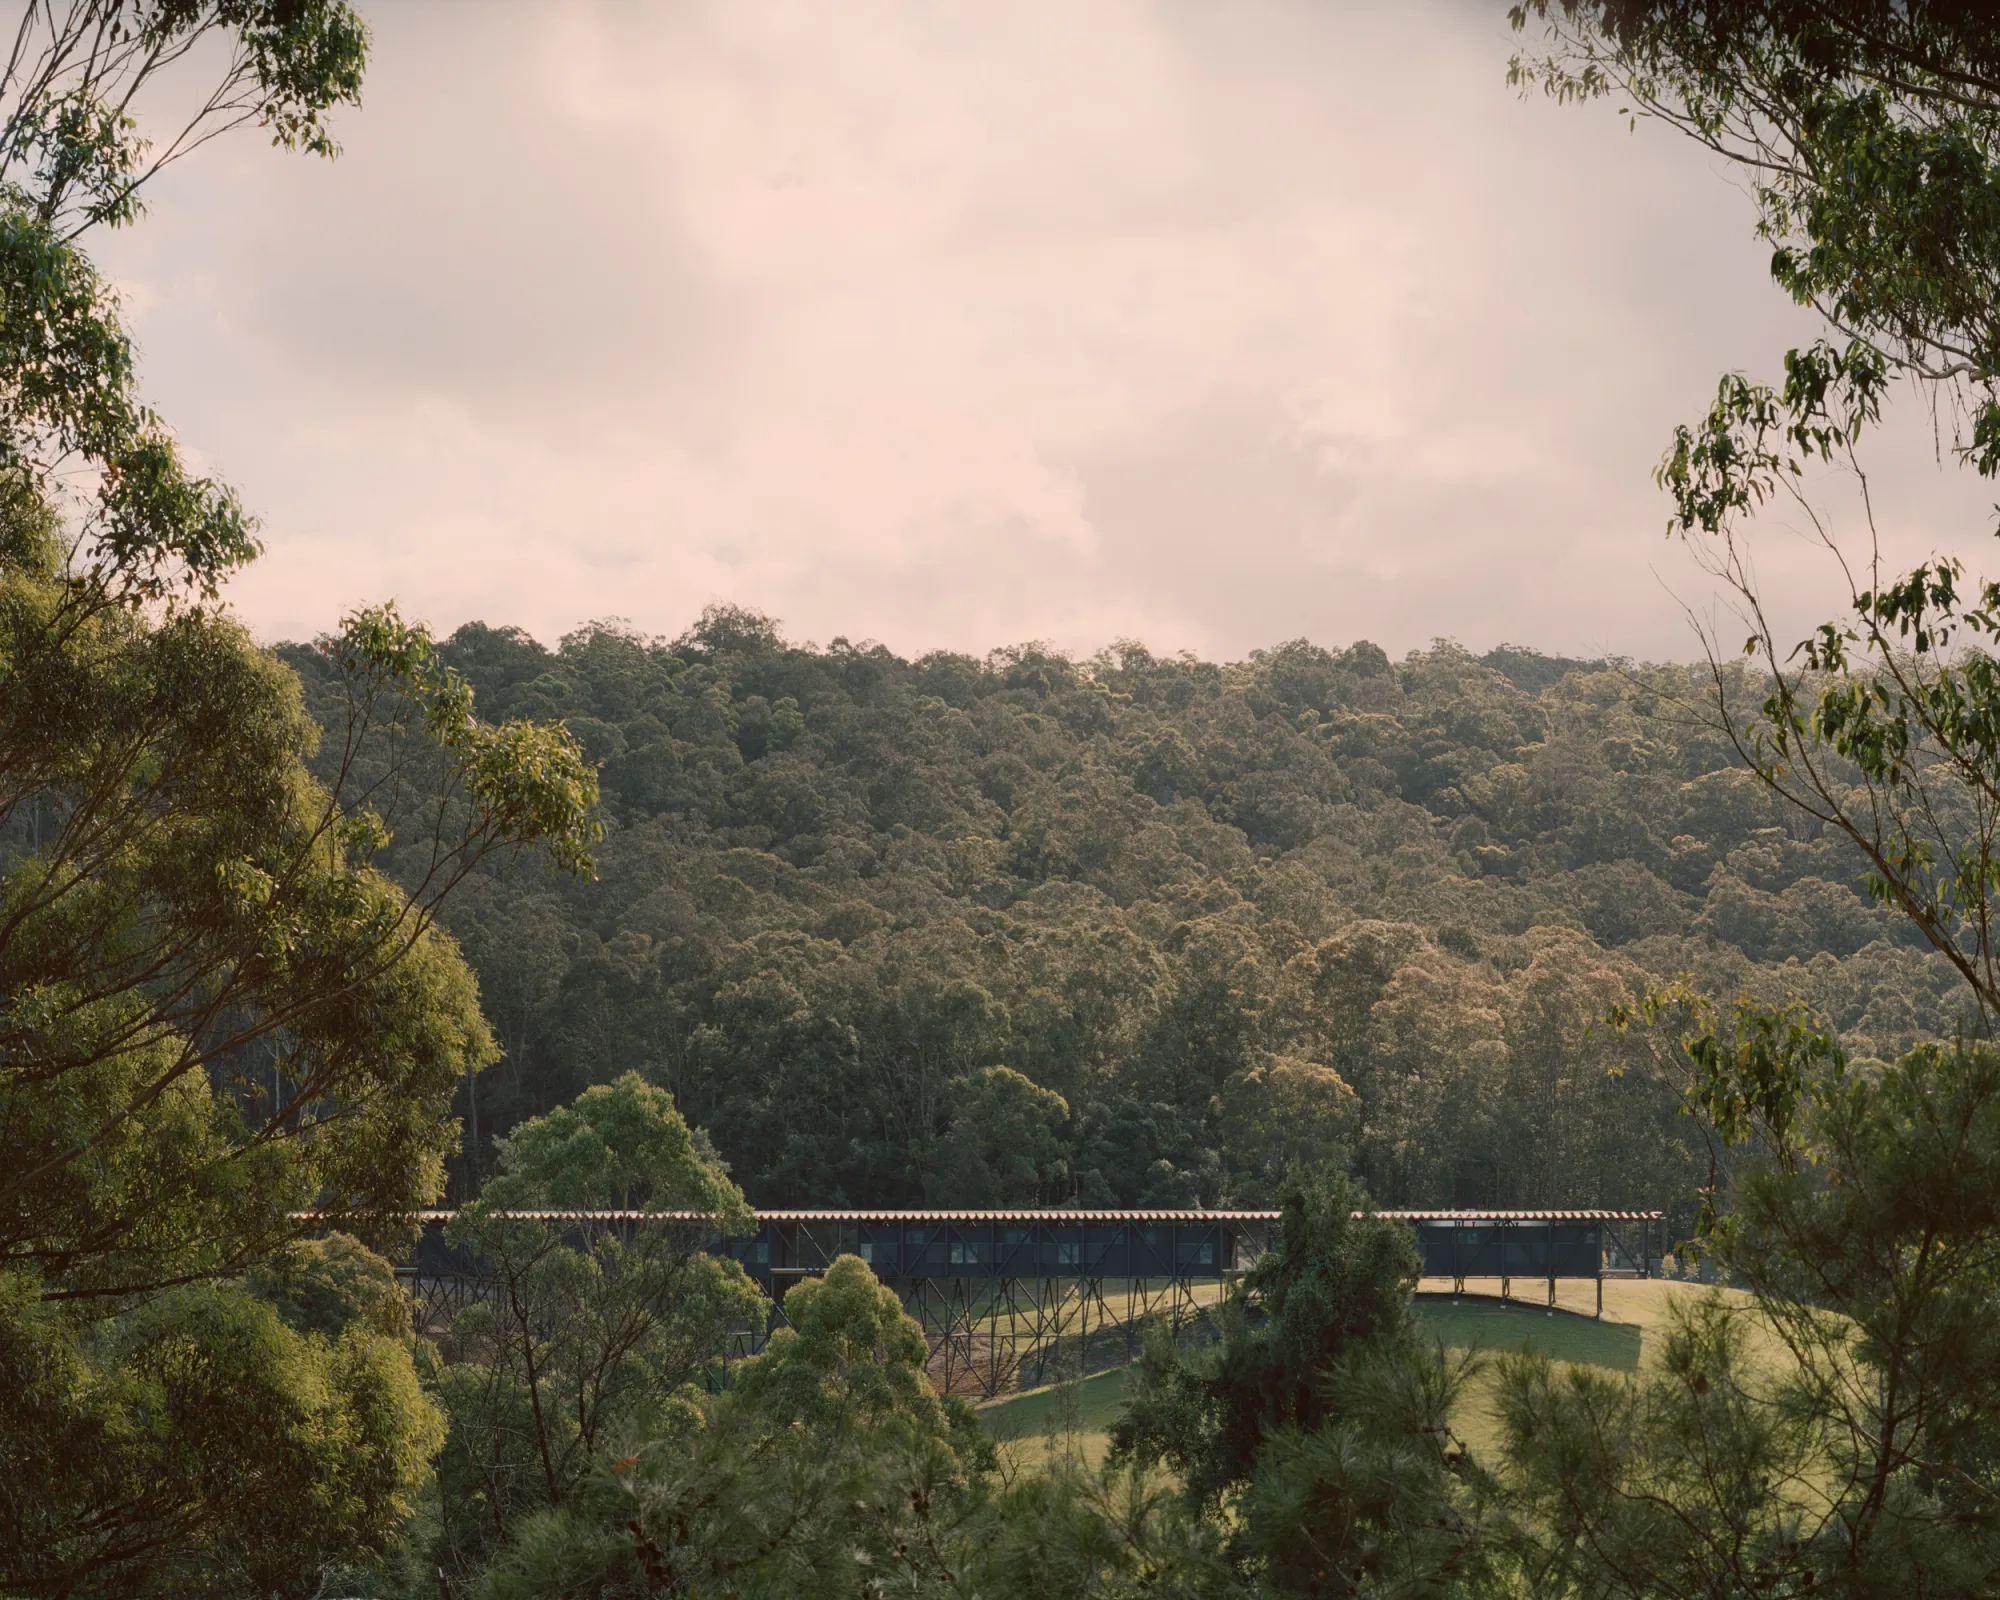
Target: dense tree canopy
{"type": "Point", "coordinates": [1383, 905]}
{"type": "Point", "coordinates": [1869, 133]}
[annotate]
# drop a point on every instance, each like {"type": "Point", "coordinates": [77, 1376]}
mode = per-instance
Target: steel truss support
{"type": "Point", "coordinates": [436, 1301]}
{"type": "Point", "coordinates": [992, 1336]}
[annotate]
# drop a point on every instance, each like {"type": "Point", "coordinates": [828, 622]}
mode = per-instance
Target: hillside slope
{"type": "Point", "coordinates": [1208, 917]}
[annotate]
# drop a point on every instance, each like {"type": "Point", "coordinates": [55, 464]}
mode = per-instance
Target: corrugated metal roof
{"type": "Point", "coordinates": [1063, 1217]}
{"type": "Point", "coordinates": [1060, 1217]}
{"type": "Point", "coordinates": [1526, 1216]}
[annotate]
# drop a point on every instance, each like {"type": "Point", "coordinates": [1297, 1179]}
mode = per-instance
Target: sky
{"type": "Point", "coordinates": [957, 325]}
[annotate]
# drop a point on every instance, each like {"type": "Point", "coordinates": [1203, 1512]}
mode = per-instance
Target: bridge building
{"type": "Point", "coordinates": [1013, 1298]}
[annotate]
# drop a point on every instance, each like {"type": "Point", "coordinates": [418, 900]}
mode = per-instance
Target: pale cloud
{"type": "Point", "coordinates": [958, 325]}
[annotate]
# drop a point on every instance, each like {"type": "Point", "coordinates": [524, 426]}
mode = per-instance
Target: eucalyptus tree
{"type": "Point", "coordinates": [594, 1324]}
{"type": "Point", "coordinates": [215, 1014]}
{"type": "Point", "coordinates": [1869, 136]}
{"type": "Point", "coordinates": [1863, 1208]}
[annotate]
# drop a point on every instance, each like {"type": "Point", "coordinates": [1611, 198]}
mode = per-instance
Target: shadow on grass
{"type": "Point", "coordinates": [1486, 1325]}
{"type": "Point", "coordinates": [1099, 1399]}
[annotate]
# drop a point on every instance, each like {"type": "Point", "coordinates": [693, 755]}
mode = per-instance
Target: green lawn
{"type": "Point", "coordinates": [1032, 1427]}
{"type": "Point", "coordinates": [1562, 1335]}
{"type": "Point", "coordinates": [1042, 1423]}
{"type": "Point", "coordinates": [1634, 1318]}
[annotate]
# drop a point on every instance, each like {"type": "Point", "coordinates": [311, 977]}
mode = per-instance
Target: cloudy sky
{"type": "Point", "coordinates": [956, 325]}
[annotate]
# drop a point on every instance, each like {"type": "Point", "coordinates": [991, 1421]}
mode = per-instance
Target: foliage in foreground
{"type": "Point", "coordinates": [1317, 1434]}
{"type": "Point", "coordinates": [216, 1014]}
{"type": "Point", "coordinates": [1837, 1436]}
{"type": "Point", "coordinates": [1335, 1283]}
{"type": "Point", "coordinates": [1829, 1432]}
{"type": "Point", "coordinates": [1313, 1455]}
{"type": "Point", "coordinates": [828, 1468]}
{"type": "Point", "coordinates": [196, 1445]}
{"type": "Point", "coordinates": [1864, 1221]}
{"type": "Point", "coordinates": [591, 1328]}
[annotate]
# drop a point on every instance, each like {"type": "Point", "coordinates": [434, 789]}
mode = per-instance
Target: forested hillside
{"type": "Point", "coordinates": [1138, 930]}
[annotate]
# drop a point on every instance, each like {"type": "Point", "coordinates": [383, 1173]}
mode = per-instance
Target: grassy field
{"type": "Point", "coordinates": [1061, 1419]}
{"type": "Point", "coordinates": [1076, 1419]}
{"type": "Point", "coordinates": [1626, 1338]}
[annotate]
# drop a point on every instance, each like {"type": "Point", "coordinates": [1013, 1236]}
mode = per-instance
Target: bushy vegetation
{"type": "Point", "coordinates": [1824, 1429]}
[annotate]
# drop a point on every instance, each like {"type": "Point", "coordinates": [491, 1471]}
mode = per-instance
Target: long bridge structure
{"type": "Point", "coordinates": [1011, 1299]}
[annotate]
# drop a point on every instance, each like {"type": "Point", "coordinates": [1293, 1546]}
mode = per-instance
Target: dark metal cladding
{"type": "Point", "coordinates": [1514, 1249]}
{"type": "Point", "coordinates": [1193, 1245]}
